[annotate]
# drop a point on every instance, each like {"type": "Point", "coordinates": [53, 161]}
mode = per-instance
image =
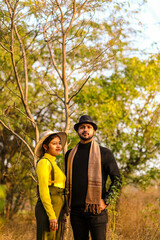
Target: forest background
{"type": "Point", "coordinates": [62, 59]}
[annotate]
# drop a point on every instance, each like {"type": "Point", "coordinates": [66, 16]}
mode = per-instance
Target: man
{"type": "Point", "coordinates": [88, 167]}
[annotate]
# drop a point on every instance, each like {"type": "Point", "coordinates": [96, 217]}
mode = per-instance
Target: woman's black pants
{"type": "Point", "coordinates": [83, 223]}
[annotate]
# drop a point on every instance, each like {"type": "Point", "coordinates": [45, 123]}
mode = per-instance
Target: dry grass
{"type": "Point", "coordinates": [137, 218]}
{"type": "Point", "coordinates": [21, 227]}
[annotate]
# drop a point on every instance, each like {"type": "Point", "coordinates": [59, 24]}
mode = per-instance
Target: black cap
{"type": "Point", "coordinates": [85, 119]}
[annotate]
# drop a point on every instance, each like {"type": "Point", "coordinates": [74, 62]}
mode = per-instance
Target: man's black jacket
{"type": "Point", "coordinates": [80, 174]}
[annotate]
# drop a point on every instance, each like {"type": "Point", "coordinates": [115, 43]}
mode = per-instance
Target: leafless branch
{"type": "Point", "coordinates": [79, 89]}
{"type": "Point", "coordinates": [82, 6]}
{"type": "Point", "coordinates": [24, 114]}
{"type": "Point", "coordinates": [30, 174]}
{"type": "Point", "coordinates": [77, 34]}
{"type": "Point", "coordinates": [62, 15]}
{"type": "Point", "coordinates": [12, 91]}
{"type": "Point", "coordinates": [12, 49]}
{"type": "Point", "coordinates": [24, 62]}
{"type": "Point", "coordinates": [51, 55]}
{"type": "Point", "coordinates": [23, 96]}
{"type": "Point", "coordinates": [36, 34]}
{"type": "Point", "coordinates": [18, 137]}
{"type": "Point", "coordinates": [52, 94]}
{"type": "Point", "coordinates": [53, 60]}
{"type": "Point", "coordinates": [4, 48]}
{"type": "Point", "coordinates": [91, 63]}
{"type": "Point", "coordinates": [89, 72]}
{"type": "Point", "coordinates": [73, 16]}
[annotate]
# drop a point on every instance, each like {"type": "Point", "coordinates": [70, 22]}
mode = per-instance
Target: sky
{"type": "Point", "coordinates": [150, 26]}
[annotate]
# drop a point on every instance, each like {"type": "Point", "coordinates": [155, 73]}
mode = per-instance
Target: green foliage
{"type": "Point", "coordinates": [151, 213]}
{"type": "Point", "coordinates": [2, 197]}
{"type": "Point", "coordinates": [147, 178]}
{"type": "Point", "coordinates": [15, 174]}
{"type": "Point", "coordinates": [126, 108]}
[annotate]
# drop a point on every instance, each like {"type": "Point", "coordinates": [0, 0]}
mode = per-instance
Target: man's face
{"type": "Point", "coordinates": [86, 131]}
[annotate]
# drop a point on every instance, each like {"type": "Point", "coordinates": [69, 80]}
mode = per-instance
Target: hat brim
{"type": "Point", "coordinates": [78, 124]}
{"type": "Point", "coordinates": [38, 149]}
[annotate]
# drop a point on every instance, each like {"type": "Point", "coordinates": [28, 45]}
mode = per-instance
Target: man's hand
{"type": "Point", "coordinates": [53, 224]}
{"type": "Point", "coordinates": [103, 205]}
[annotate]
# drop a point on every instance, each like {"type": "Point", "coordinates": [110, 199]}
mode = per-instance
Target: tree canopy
{"type": "Point", "coordinates": [126, 106]}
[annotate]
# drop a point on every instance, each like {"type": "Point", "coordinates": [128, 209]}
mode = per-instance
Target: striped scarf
{"type": "Point", "coordinates": [94, 190]}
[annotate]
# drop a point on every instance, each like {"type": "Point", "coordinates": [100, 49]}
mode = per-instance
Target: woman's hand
{"type": "Point", "coordinates": [103, 205]}
{"type": "Point", "coordinates": [53, 224]}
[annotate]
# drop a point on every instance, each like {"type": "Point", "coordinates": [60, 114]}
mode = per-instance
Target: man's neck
{"type": "Point", "coordinates": [85, 141]}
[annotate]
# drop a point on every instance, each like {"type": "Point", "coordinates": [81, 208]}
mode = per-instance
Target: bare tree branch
{"type": "Point", "coordinates": [75, 94]}
{"type": "Point", "coordinates": [12, 49]}
{"type": "Point", "coordinates": [53, 60]}
{"type": "Point", "coordinates": [73, 16]}
{"type": "Point", "coordinates": [30, 174]}
{"type": "Point", "coordinates": [91, 63]}
{"type": "Point", "coordinates": [24, 63]}
{"type": "Point", "coordinates": [52, 94]}
{"type": "Point", "coordinates": [5, 48]}
{"type": "Point", "coordinates": [24, 114]}
{"type": "Point", "coordinates": [62, 15]}
{"type": "Point", "coordinates": [18, 137]}
{"type": "Point", "coordinates": [23, 96]}
{"type": "Point", "coordinates": [12, 91]}
{"type": "Point", "coordinates": [51, 53]}
{"type": "Point", "coordinates": [82, 6]}
{"type": "Point", "coordinates": [90, 71]}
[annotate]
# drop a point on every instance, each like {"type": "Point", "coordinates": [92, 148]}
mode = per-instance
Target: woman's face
{"type": "Point", "coordinates": [54, 147]}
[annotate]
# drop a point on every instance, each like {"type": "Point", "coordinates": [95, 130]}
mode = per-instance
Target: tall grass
{"type": "Point", "coordinates": [138, 215]}
{"type": "Point", "coordinates": [136, 218]}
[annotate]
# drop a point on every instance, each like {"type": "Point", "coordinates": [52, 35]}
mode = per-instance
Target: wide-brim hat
{"type": "Point", "coordinates": [38, 151]}
{"type": "Point", "coordinates": [85, 119]}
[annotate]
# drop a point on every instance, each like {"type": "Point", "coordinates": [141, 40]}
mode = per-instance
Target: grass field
{"type": "Point", "coordinates": [137, 218]}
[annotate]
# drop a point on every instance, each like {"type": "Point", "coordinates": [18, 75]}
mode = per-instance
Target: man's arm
{"type": "Point", "coordinates": [111, 169]}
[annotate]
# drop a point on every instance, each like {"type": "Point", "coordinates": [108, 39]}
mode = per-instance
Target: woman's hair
{"type": "Point", "coordinates": [48, 140]}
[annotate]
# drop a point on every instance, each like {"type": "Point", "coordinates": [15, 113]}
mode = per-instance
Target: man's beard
{"type": "Point", "coordinates": [84, 138]}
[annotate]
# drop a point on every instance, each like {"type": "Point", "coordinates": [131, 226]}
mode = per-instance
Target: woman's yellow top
{"type": "Point", "coordinates": [43, 170]}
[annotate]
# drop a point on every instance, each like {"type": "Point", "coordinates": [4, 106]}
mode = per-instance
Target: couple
{"type": "Point", "coordinates": [87, 166]}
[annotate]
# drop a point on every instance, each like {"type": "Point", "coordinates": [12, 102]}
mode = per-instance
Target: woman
{"type": "Point", "coordinates": [51, 185]}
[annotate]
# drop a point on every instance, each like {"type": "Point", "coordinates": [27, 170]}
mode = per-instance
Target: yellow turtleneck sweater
{"type": "Point", "coordinates": [43, 170]}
